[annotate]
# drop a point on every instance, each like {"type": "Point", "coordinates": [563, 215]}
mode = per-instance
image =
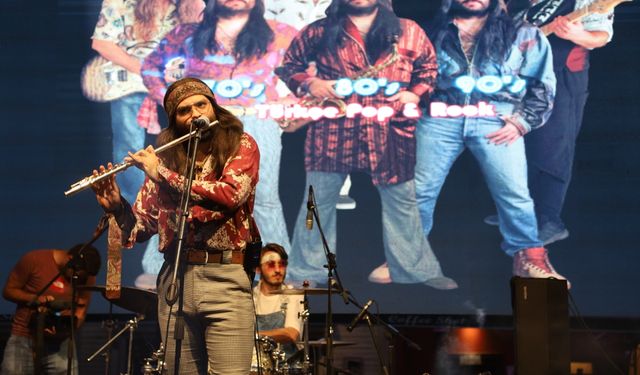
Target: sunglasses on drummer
{"type": "Point", "coordinates": [272, 263]}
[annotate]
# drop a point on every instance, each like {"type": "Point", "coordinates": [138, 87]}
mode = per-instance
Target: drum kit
{"type": "Point", "coordinates": [271, 359]}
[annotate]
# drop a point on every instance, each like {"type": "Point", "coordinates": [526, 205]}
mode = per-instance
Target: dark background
{"type": "Point", "coordinates": [52, 136]}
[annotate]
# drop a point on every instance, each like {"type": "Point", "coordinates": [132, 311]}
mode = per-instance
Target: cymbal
{"type": "Point", "coordinates": [322, 342]}
{"type": "Point", "coordinates": [139, 301]}
{"type": "Point", "coordinates": [301, 291]}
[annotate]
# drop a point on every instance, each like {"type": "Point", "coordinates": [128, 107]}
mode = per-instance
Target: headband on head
{"type": "Point", "coordinates": [182, 89]}
{"type": "Point", "coordinates": [269, 256]}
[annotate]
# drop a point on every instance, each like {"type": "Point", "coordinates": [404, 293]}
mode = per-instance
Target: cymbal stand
{"type": "Point", "coordinates": [304, 314]}
{"type": "Point", "coordinates": [130, 326]}
{"type": "Point", "coordinates": [108, 325]}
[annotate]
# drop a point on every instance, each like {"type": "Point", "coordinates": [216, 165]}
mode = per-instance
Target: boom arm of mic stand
{"type": "Point", "coordinates": [388, 326]}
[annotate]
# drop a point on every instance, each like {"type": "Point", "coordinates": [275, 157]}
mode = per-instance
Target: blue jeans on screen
{"type": "Point", "coordinates": [268, 207]}
{"type": "Point", "coordinates": [127, 136]}
{"type": "Point", "coordinates": [439, 143]}
{"type": "Point", "coordinates": [18, 358]}
{"type": "Point", "coordinates": [407, 251]}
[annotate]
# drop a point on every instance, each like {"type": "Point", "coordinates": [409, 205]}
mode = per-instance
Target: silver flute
{"type": "Point", "coordinates": [86, 182]}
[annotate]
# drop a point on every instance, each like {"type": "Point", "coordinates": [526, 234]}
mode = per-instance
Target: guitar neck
{"type": "Point", "coordinates": [572, 17]}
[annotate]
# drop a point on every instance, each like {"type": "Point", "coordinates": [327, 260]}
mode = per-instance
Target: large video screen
{"type": "Point", "coordinates": [403, 205]}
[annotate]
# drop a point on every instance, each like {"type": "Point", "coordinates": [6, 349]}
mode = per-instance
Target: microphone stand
{"type": "Point", "coordinates": [347, 297]}
{"type": "Point", "coordinates": [375, 319]}
{"type": "Point", "coordinates": [385, 369]}
{"type": "Point", "coordinates": [72, 263]}
{"type": "Point", "coordinates": [174, 292]}
{"type": "Point", "coordinates": [332, 279]}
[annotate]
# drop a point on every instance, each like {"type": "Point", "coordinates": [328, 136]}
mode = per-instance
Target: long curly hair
{"type": "Point", "coordinates": [252, 41]}
{"type": "Point", "coordinates": [146, 15]}
{"type": "Point", "coordinates": [494, 41]}
{"type": "Point", "coordinates": [223, 141]}
{"type": "Point", "coordinates": [384, 32]}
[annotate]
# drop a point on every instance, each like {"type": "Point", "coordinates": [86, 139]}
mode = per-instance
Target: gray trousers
{"type": "Point", "coordinates": [218, 320]}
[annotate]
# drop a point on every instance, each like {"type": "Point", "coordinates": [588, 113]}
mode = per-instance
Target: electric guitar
{"type": "Point", "coordinates": [597, 7]}
{"type": "Point", "coordinates": [103, 81]}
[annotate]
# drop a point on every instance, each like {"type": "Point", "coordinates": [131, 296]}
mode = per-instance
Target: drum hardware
{"type": "Point", "coordinates": [142, 302]}
{"type": "Point", "coordinates": [130, 326]}
{"type": "Point", "coordinates": [157, 357]}
{"type": "Point", "coordinates": [264, 360]}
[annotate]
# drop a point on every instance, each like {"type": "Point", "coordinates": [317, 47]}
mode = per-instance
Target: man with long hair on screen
{"type": "Point", "coordinates": [300, 13]}
{"type": "Point", "coordinates": [358, 38]}
{"type": "Point", "coordinates": [551, 150]}
{"type": "Point", "coordinates": [475, 39]}
{"type": "Point", "coordinates": [126, 32]}
{"type": "Point", "coordinates": [218, 310]}
{"type": "Point", "coordinates": [235, 50]}
{"type": "Point", "coordinates": [40, 330]}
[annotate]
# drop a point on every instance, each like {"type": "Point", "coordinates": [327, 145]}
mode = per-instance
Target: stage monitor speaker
{"type": "Point", "coordinates": [541, 317]}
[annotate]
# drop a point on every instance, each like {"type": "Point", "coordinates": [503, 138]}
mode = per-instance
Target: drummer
{"type": "Point", "coordinates": [278, 315]}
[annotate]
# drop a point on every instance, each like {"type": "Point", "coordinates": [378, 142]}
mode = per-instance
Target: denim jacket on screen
{"type": "Point", "coordinates": [529, 63]}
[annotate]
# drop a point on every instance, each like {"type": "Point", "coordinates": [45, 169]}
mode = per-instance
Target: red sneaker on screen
{"type": "Point", "coordinates": [535, 263]}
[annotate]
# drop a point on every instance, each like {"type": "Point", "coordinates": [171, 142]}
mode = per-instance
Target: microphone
{"type": "Point", "coordinates": [309, 220]}
{"type": "Point", "coordinates": [360, 315]}
{"type": "Point", "coordinates": [200, 122]}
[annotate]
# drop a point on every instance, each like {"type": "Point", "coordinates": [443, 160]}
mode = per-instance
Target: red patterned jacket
{"type": "Point", "coordinates": [217, 218]}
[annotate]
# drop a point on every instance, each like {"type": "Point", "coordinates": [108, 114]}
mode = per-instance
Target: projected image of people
{"type": "Point", "coordinates": [235, 51]}
{"type": "Point", "coordinates": [364, 38]}
{"type": "Point", "coordinates": [300, 13]}
{"type": "Point", "coordinates": [495, 84]}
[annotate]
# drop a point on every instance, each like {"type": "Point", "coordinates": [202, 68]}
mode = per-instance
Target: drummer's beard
{"type": "Point", "coordinates": [277, 283]}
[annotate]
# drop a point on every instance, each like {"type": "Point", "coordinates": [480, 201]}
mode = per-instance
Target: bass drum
{"type": "Point", "coordinates": [265, 361]}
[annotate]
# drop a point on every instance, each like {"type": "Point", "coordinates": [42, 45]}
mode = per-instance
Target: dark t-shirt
{"type": "Point", "coordinates": [33, 271]}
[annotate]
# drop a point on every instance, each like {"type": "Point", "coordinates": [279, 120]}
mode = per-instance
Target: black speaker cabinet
{"type": "Point", "coordinates": [541, 317]}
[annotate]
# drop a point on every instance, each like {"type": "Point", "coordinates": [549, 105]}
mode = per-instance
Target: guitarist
{"type": "Point", "coordinates": [126, 32]}
{"type": "Point", "coordinates": [32, 273]}
{"type": "Point", "coordinates": [550, 149]}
